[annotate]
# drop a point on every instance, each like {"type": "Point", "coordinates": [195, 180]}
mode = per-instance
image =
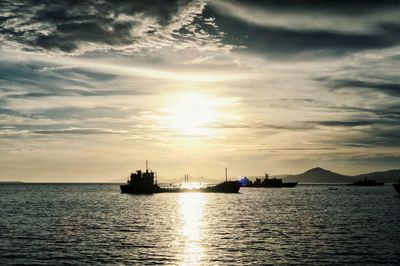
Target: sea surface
{"type": "Point", "coordinates": [56, 224]}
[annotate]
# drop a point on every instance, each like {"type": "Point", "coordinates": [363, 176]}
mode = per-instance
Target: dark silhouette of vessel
{"type": "Point", "coordinates": [224, 187]}
{"type": "Point", "coordinates": [141, 183]}
{"type": "Point", "coordinates": [366, 182]}
{"type": "Point", "coordinates": [268, 182]}
{"type": "Point", "coordinates": [397, 187]}
{"type": "Point", "coordinates": [146, 183]}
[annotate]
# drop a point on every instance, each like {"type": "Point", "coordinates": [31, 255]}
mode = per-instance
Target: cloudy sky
{"type": "Point", "coordinates": [90, 89]}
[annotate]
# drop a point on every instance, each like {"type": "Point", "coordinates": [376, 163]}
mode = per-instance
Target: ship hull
{"type": "Point", "coordinates": [397, 187]}
{"type": "Point", "coordinates": [276, 185]}
{"type": "Point", "coordinates": [127, 189]}
{"type": "Point", "coordinates": [290, 184]}
{"type": "Point", "coordinates": [225, 187]}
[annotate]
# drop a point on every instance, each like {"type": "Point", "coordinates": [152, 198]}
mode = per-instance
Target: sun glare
{"type": "Point", "coordinates": [191, 113]}
{"type": "Point", "coordinates": [191, 216]}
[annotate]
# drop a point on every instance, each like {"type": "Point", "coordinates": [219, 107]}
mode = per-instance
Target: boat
{"type": "Point", "coordinates": [397, 187]}
{"type": "Point", "coordinates": [140, 182]}
{"type": "Point", "coordinates": [268, 182]}
{"type": "Point", "coordinates": [366, 182]}
{"type": "Point", "coordinates": [332, 188]}
{"type": "Point", "coordinates": [224, 187]}
{"type": "Point", "coordinates": [277, 182]}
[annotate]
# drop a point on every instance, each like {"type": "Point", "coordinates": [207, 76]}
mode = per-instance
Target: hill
{"type": "Point", "coordinates": [390, 176]}
{"type": "Point", "coordinates": [320, 175]}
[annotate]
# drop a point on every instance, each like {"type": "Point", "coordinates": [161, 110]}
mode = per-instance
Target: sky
{"type": "Point", "coordinates": [89, 90]}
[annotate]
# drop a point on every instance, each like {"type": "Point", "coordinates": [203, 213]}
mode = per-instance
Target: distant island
{"type": "Point", "coordinates": [10, 182]}
{"type": "Point", "coordinates": [320, 175]}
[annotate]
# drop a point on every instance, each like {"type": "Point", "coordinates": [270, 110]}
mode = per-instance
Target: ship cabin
{"type": "Point", "coordinates": [146, 178]}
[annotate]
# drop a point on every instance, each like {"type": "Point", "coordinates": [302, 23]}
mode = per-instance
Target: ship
{"type": "Point", "coordinates": [225, 187]}
{"type": "Point", "coordinates": [366, 182]}
{"type": "Point", "coordinates": [277, 182]}
{"type": "Point", "coordinates": [268, 182]}
{"type": "Point", "coordinates": [140, 182]}
{"type": "Point", "coordinates": [397, 187]}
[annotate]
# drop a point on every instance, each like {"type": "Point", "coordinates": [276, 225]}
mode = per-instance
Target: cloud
{"type": "Point", "coordinates": [79, 131]}
{"type": "Point", "coordinates": [387, 87]}
{"type": "Point", "coordinates": [360, 145]}
{"type": "Point", "coordinates": [89, 25]}
{"type": "Point", "coordinates": [337, 16]}
{"type": "Point", "coordinates": [276, 30]}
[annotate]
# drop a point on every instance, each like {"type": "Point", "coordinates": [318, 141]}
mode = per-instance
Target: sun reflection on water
{"type": "Point", "coordinates": [191, 207]}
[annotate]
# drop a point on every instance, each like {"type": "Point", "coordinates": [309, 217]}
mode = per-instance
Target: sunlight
{"type": "Point", "coordinates": [191, 185]}
{"type": "Point", "coordinates": [191, 213]}
{"type": "Point", "coordinates": [194, 113]}
{"type": "Point", "coordinates": [191, 112]}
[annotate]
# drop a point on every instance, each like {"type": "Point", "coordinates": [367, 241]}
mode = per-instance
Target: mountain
{"type": "Point", "coordinates": [319, 175]}
{"type": "Point", "coordinates": [390, 176]}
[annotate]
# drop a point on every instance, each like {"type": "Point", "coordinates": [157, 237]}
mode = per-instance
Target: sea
{"type": "Point", "coordinates": [93, 224]}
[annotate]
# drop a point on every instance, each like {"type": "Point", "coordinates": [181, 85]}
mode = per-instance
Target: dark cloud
{"type": "Point", "coordinates": [357, 145]}
{"type": "Point", "coordinates": [367, 132]}
{"type": "Point", "coordinates": [353, 7]}
{"type": "Point", "coordinates": [334, 123]}
{"type": "Point", "coordinates": [359, 122]}
{"type": "Point", "coordinates": [389, 111]}
{"type": "Point", "coordinates": [387, 87]}
{"type": "Point", "coordinates": [68, 25]}
{"type": "Point", "coordinates": [288, 42]}
{"type": "Point", "coordinates": [326, 35]}
{"type": "Point", "coordinates": [379, 136]}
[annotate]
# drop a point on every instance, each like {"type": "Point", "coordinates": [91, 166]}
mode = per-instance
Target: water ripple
{"type": "Point", "coordinates": [51, 224]}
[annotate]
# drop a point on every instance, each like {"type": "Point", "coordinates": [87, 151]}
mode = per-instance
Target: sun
{"type": "Point", "coordinates": [191, 113]}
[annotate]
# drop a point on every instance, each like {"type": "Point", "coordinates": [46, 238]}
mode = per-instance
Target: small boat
{"type": "Point", "coordinates": [397, 187]}
{"type": "Point", "coordinates": [332, 188]}
{"type": "Point", "coordinates": [366, 182]}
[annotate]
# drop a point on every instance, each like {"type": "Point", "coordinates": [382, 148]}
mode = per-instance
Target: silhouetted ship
{"type": "Point", "coordinates": [268, 182]}
{"type": "Point", "coordinates": [141, 183]}
{"type": "Point", "coordinates": [397, 187]}
{"type": "Point", "coordinates": [224, 187]}
{"type": "Point", "coordinates": [366, 182]}
{"type": "Point", "coordinates": [146, 183]}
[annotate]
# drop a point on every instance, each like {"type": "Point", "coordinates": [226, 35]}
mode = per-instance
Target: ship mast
{"type": "Point", "coordinates": [226, 174]}
{"type": "Point", "coordinates": [147, 166]}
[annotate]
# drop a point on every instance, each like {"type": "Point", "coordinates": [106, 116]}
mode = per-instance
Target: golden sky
{"type": "Point", "coordinates": [90, 91]}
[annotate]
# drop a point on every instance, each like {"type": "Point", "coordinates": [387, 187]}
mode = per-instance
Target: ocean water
{"type": "Point", "coordinates": [93, 224]}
